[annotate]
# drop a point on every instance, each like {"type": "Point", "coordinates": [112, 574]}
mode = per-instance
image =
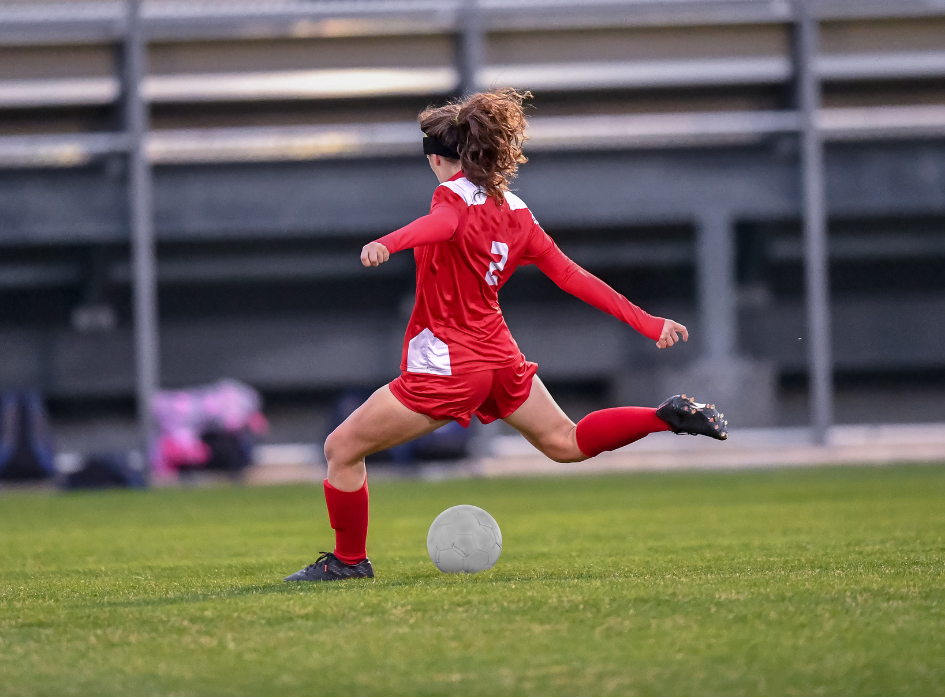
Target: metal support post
{"type": "Point", "coordinates": [742, 386]}
{"type": "Point", "coordinates": [471, 47]}
{"type": "Point", "coordinates": [820, 364]}
{"type": "Point", "coordinates": [141, 216]}
{"type": "Point", "coordinates": [715, 277]}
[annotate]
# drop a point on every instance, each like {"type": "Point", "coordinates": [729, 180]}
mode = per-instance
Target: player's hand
{"type": "Point", "coordinates": [373, 254]}
{"type": "Point", "coordinates": [671, 333]}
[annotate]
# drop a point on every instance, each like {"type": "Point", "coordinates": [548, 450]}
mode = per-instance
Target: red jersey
{"type": "Point", "coordinates": [465, 250]}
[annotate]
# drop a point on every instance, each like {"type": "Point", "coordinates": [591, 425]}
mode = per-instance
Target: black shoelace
{"type": "Point", "coordinates": [325, 557]}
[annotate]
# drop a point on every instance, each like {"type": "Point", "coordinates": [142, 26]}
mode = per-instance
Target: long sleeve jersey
{"type": "Point", "coordinates": [465, 250]}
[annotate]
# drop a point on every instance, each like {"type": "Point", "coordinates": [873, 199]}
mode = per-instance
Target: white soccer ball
{"type": "Point", "coordinates": [464, 539]}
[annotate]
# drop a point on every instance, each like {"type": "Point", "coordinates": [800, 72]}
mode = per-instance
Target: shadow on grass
{"type": "Point", "coordinates": [427, 580]}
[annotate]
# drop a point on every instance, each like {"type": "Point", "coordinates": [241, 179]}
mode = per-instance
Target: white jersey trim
{"type": "Point", "coordinates": [515, 202]}
{"type": "Point", "coordinates": [473, 195]}
{"type": "Point", "coordinates": [427, 354]}
{"type": "Point", "coordinates": [469, 193]}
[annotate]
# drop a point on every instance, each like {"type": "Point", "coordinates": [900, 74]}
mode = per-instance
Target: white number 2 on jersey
{"type": "Point", "coordinates": [501, 249]}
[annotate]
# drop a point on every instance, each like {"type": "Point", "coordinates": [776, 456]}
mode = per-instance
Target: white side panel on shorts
{"type": "Point", "coordinates": [427, 354]}
{"type": "Point", "coordinates": [465, 189]}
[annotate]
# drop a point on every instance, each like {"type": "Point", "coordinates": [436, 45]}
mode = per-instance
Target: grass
{"type": "Point", "coordinates": [784, 582]}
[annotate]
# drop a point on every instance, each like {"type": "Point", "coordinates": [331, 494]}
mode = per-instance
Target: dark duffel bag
{"type": "Point", "coordinates": [105, 471]}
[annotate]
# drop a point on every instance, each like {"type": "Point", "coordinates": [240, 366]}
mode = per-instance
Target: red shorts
{"type": "Point", "coordinates": [490, 394]}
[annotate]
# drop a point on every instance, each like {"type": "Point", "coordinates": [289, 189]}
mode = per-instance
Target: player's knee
{"type": "Point", "coordinates": [567, 457]}
{"type": "Point", "coordinates": [335, 455]}
{"type": "Point", "coordinates": [562, 449]}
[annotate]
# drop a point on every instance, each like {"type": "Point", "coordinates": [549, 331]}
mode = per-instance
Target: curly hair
{"type": "Point", "coordinates": [487, 130]}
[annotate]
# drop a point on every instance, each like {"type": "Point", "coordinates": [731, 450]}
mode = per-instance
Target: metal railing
{"type": "Point", "coordinates": [134, 27]}
{"type": "Point", "coordinates": [587, 133]}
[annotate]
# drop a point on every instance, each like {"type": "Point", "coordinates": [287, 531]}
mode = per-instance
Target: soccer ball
{"type": "Point", "coordinates": [464, 539]}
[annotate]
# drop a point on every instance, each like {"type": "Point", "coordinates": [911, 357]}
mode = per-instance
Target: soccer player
{"type": "Point", "coordinates": [459, 357]}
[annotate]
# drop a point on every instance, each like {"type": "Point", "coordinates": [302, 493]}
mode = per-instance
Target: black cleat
{"type": "Point", "coordinates": [687, 417]}
{"type": "Point", "coordinates": [328, 567]}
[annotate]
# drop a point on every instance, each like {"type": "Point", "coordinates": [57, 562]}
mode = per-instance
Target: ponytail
{"type": "Point", "coordinates": [487, 130]}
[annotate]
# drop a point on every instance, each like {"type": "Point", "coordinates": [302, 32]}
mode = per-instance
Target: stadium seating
{"type": "Point", "coordinates": [650, 116]}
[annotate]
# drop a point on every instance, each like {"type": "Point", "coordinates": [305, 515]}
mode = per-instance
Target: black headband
{"type": "Point", "coordinates": [435, 147]}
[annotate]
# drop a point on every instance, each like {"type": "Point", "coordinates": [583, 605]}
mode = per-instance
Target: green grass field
{"type": "Point", "coordinates": [785, 582]}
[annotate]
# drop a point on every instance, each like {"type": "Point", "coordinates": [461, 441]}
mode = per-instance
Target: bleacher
{"type": "Point", "coordinates": [283, 137]}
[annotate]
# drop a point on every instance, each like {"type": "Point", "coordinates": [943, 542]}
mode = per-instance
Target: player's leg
{"type": "Point", "coordinates": [379, 423]}
{"type": "Point", "coordinates": [542, 422]}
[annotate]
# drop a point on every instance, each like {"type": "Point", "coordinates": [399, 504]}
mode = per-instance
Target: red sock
{"type": "Point", "coordinates": [615, 427]}
{"type": "Point", "coordinates": [348, 515]}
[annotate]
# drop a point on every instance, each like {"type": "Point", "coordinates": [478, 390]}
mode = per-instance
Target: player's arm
{"type": "Point", "coordinates": [437, 226]}
{"type": "Point", "coordinates": [575, 280]}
